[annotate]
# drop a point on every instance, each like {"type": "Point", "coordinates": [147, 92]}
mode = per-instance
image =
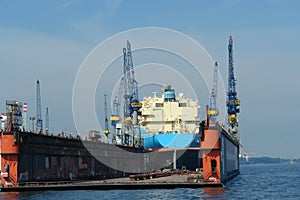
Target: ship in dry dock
{"type": "Point", "coordinates": [178, 141]}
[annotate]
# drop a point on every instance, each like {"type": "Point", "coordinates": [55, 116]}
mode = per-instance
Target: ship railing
{"type": "Point", "coordinates": [47, 183]}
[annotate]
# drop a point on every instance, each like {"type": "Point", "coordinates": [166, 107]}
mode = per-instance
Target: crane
{"type": "Point", "coordinates": [126, 86]}
{"type": "Point", "coordinates": [213, 111]}
{"type": "Point", "coordinates": [130, 85]}
{"type": "Point", "coordinates": [106, 130]}
{"type": "Point", "coordinates": [115, 117]}
{"type": "Point", "coordinates": [39, 121]}
{"type": "Point", "coordinates": [127, 98]}
{"type": "Point", "coordinates": [47, 120]}
{"type": "Point", "coordinates": [233, 102]}
{"type": "Point", "coordinates": [135, 105]}
{"type": "Point", "coordinates": [134, 100]}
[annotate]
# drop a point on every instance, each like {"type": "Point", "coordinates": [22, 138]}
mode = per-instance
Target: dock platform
{"type": "Point", "coordinates": [127, 183]}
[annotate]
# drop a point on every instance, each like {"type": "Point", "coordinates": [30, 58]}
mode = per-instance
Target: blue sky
{"type": "Point", "coordinates": [48, 40]}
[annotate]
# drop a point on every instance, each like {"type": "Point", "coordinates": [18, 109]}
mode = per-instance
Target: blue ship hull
{"type": "Point", "coordinates": [171, 140]}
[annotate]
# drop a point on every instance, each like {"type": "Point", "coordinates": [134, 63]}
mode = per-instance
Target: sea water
{"type": "Point", "coordinates": [256, 181]}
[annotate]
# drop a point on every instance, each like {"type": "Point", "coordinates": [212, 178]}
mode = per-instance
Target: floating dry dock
{"type": "Point", "coordinates": [174, 139]}
{"type": "Point", "coordinates": [139, 181]}
{"type": "Point", "coordinates": [24, 166]}
{"type": "Point", "coordinates": [31, 161]}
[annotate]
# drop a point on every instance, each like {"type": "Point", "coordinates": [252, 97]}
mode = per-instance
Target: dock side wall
{"type": "Point", "coordinates": [229, 157]}
{"type": "Point", "coordinates": [9, 158]}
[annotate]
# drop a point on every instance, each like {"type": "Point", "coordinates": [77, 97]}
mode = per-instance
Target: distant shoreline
{"type": "Point", "coordinates": [268, 160]}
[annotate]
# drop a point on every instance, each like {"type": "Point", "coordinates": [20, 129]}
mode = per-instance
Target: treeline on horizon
{"type": "Point", "coordinates": [266, 159]}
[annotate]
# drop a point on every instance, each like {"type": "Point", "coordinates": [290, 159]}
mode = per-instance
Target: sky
{"type": "Point", "coordinates": [49, 40]}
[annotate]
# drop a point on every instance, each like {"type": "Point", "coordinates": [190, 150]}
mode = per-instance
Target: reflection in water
{"type": "Point", "coordinates": [21, 195]}
{"type": "Point", "coordinates": [10, 195]}
{"type": "Point", "coordinates": [212, 193]}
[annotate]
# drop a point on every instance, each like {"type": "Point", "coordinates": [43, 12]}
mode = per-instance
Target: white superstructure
{"type": "Point", "coordinates": [169, 114]}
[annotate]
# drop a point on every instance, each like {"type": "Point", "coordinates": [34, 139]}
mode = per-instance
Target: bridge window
{"type": "Point", "coordinates": [182, 104]}
{"type": "Point", "coordinates": [159, 105]}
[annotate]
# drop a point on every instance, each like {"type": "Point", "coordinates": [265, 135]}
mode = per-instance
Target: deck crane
{"type": "Point", "coordinates": [213, 111]}
{"type": "Point", "coordinates": [39, 121]}
{"type": "Point", "coordinates": [106, 130]}
{"type": "Point", "coordinates": [233, 102]}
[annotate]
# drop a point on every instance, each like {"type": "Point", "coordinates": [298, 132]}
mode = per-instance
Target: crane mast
{"type": "Point", "coordinates": [47, 120]}
{"type": "Point", "coordinates": [233, 102]}
{"type": "Point", "coordinates": [126, 85]}
{"type": "Point", "coordinates": [133, 82]}
{"type": "Point", "coordinates": [213, 111]}
{"type": "Point", "coordinates": [130, 68]}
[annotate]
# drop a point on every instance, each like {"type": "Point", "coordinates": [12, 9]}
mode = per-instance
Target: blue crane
{"type": "Point", "coordinates": [135, 105]}
{"type": "Point", "coordinates": [130, 85]}
{"type": "Point", "coordinates": [233, 102]}
{"type": "Point", "coordinates": [127, 96]}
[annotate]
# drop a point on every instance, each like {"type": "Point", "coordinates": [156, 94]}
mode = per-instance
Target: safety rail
{"type": "Point", "coordinates": [48, 183]}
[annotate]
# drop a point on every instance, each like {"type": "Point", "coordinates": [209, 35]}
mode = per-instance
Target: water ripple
{"type": "Point", "coordinates": [274, 181]}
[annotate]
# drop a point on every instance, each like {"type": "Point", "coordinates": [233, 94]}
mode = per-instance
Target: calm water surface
{"type": "Point", "coordinates": [268, 181]}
